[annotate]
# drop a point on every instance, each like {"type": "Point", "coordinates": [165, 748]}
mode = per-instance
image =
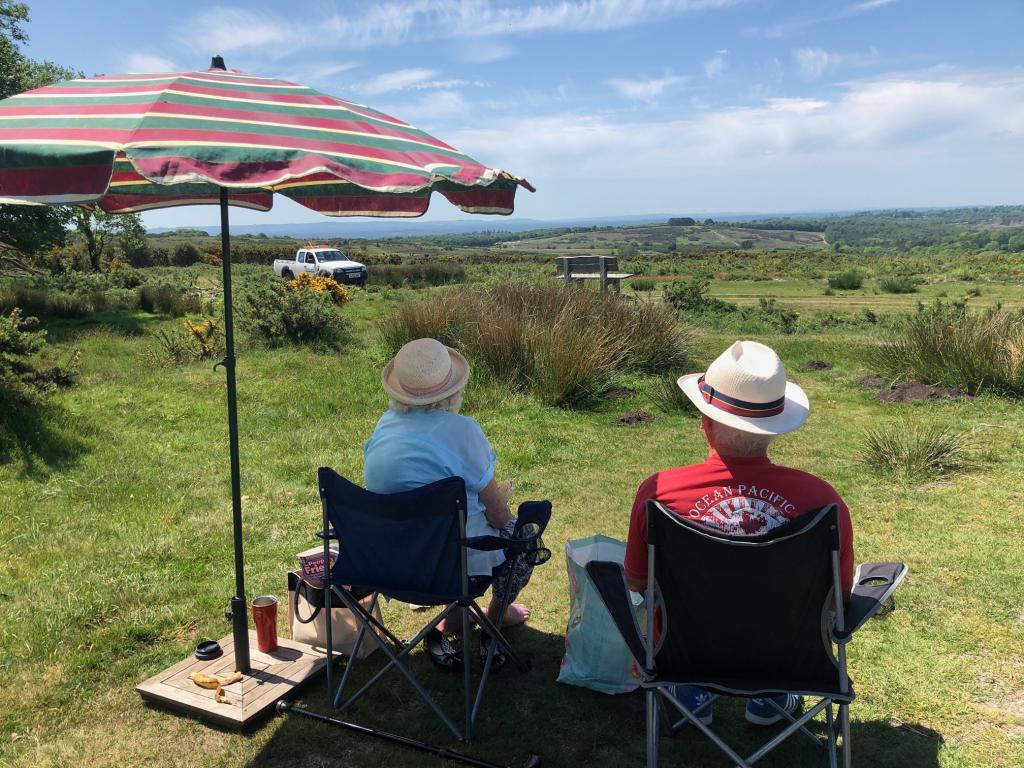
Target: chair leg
{"type": "Point", "coordinates": [844, 723]}
{"type": "Point", "coordinates": [467, 681]}
{"type": "Point", "coordinates": [652, 728]}
{"type": "Point", "coordinates": [830, 734]}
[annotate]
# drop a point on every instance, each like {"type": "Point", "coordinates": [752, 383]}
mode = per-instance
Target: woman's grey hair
{"type": "Point", "coordinates": [735, 442]}
{"type": "Point", "coordinates": [452, 404]}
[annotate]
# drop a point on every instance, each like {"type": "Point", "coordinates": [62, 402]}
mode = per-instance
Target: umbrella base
{"type": "Point", "coordinates": [272, 677]}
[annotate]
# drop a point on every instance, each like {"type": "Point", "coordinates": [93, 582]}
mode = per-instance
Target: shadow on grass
{"type": "Point", "coordinates": [38, 438]}
{"type": "Point", "coordinates": [525, 713]}
{"type": "Point", "coordinates": [129, 323]}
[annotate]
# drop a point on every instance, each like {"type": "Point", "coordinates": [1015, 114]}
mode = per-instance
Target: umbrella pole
{"type": "Point", "coordinates": [239, 607]}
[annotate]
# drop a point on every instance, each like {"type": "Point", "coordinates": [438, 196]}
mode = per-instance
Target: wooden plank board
{"type": "Point", "coordinates": [273, 676]}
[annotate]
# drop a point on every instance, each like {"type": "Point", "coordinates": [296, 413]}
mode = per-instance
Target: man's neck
{"type": "Point", "coordinates": [714, 453]}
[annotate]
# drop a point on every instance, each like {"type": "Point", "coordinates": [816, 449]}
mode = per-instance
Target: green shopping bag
{"type": "Point", "coordinates": [596, 656]}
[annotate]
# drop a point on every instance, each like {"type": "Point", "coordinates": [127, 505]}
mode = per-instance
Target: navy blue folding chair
{"type": "Point", "coordinates": [747, 616]}
{"type": "Point", "coordinates": [412, 547]}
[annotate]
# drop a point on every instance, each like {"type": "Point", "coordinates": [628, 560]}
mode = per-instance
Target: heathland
{"type": "Point", "coordinates": [905, 328]}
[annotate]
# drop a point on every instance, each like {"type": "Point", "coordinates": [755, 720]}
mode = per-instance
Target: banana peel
{"type": "Point", "coordinates": [215, 684]}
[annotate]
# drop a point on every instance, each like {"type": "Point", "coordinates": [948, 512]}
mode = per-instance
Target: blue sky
{"type": "Point", "coordinates": [614, 107]}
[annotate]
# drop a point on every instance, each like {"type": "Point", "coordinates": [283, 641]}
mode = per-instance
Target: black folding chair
{"type": "Point", "coordinates": [747, 616]}
{"type": "Point", "coordinates": [412, 547]}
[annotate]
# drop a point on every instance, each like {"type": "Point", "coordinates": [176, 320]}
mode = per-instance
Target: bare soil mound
{"type": "Point", "coordinates": [915, 391]}
{"type": "Point", "coordinates": [816, 365]}
{"type": "Point", "coordinates": [634, 417]}
{"type": "Point", "coordinates": [619, 393]}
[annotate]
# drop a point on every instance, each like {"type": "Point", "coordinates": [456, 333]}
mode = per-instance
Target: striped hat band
{"type": "Point", "coordinates": [739, 407]}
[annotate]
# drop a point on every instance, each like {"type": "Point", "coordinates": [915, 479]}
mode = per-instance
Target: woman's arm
{"type": "Point", "coordinates": [495, 505]}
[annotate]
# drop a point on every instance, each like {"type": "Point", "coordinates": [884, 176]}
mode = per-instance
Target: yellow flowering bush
{"type": "Point", "coordinates": [196, 341]}
{"type": "Point", "coordinates": [340, 295]}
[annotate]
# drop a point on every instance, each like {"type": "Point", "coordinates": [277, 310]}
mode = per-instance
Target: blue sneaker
{"type": "Point", "coordinates": [761, 712]}
{"type": "Point", "coordinates": [697, 700]}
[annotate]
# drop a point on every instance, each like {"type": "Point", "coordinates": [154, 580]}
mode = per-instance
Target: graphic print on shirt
{"type": "Point", "coordinates": [742, 510]}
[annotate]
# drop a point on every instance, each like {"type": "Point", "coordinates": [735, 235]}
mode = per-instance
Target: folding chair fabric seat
{"type": "Point", "coordinates": [412, 547]}
{"type": "Point", "coordinates": [746, 616]}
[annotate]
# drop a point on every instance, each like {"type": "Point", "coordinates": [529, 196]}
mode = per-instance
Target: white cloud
{"type": "Point", "coordinates": [228, 29]}
{"type": "Point", "coordinates": [798, 23]}
{"type": "Point", "coordinates": [431, 110]}
{"type": "Point", "coordinates": [647, 91]}
{"type": "Point", "coordinates": [941, 117]}
{"type": "Point", "coordinates": [868, 5]}
{"type": "Point", "coordinates": [399, 80]}
{"type": "Point", "coordinates": [813, 62]}
{"type": "Point", "coordinates": [486, 50]}
{"type": "Point", "coordinates": [715, 66]}
{"type": "Point", "coordinates": [146, 63]}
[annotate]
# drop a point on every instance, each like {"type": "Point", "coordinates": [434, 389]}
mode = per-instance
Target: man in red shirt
{"type": "Point", "coordinates": [745, 402]}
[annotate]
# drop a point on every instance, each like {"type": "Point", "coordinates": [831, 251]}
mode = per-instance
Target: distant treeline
{"type": "Point", "coordinates": [988, 228]}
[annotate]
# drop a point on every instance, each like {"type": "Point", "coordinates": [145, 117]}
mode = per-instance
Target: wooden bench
{"type": "Point", "coordinates": [580, 268]}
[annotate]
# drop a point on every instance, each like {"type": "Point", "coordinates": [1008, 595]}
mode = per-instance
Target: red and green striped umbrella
{"type": "Point", "coordinates": [137, 142]}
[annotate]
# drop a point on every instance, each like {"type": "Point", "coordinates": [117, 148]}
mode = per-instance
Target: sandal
{"type": "Point", "coordinates": [499, 658]}
{"type": "Point", "coordinates": [442, 652]}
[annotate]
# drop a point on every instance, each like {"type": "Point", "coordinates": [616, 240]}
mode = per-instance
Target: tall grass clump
{"type": "Point", "coordinates": [415, 275]}
{"type": "Point", "coordinates": [668, 397]}
{"type": "Point", "coordinates": [639, 284]}
{"type": "Point", "coordinates": [951, 346]}
{"type": "Point", "coordinates": [562, 344]}
{"type": "Point", "coordinates": [168, 300]}
{"type": "Point", "coordinates": [850, 280]}
{"type": "Point", "coordinates": [897, 285]}
{"type": "Point", "coordinates": [916, 451]}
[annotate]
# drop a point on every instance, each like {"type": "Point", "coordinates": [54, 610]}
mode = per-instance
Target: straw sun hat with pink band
{"type": "Point", "coordinates": [423, 372]}
{"type": "Point", "coordinates": [746, 388]}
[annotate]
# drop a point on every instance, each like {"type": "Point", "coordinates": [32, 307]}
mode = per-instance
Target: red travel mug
{"type": "Point", "coordinates": [264, 616]}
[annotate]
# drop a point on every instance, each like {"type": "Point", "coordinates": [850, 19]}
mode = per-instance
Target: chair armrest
{"type": "Point", "coordinates": [329, 534]}
{"type": "Point", "coordinates": [873, 585]}
{"type": "Point", "coordinates": [610, 580]}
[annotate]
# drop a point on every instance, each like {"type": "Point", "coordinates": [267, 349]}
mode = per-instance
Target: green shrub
{"type": "Point", "coordinates": [948, 345]}
{"type": "Point", "coordinates": [278, 316]}
{"type": "Point", "coordinates": [916, 451]}
{"type": "Point", "coordinates": [185, 255]}
{"type": "Point", "coordinates": [850, 280]}
{"type": "Point", "coordinates": [770, 315]}
{"type": "Point", "coordinates": [24, 379]}
{"type": "Point", "coordinates": [641, 284]}
{"type": "Point", "coordinates": [897, 285]}
{"type": "Point", "coordinates": [193, 341]}
{"type": "Point", "coordinates": [560, 343]}
{"type": "Point", "coordinates": [692, 297]}
{"type": "Point", "coordinates": [416, 275]}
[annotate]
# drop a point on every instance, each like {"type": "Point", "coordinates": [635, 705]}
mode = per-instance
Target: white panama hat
{"type": "Point", "coordinates": [423, 372]}
{"type": "Point", "coordinates": [746, 388]}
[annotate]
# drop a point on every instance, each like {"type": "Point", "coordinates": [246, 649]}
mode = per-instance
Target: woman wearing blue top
{"type": "Point", "coordinates": [422, 438]}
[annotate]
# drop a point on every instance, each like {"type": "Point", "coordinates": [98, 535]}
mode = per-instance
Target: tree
{"type": "Point", "coordinates": [185, 255]}
{"type": "Point", "coordinates": [100, 229]}
{"type": "Point", "coordinates": [28, 229]}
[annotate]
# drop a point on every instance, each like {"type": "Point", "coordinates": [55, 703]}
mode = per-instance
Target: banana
{"type": "Point", "coordinates": [215, 683]}
{"type": "Point", "coordinates": [205, 681]}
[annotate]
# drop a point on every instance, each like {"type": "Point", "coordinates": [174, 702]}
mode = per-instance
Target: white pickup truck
{"type": "Point", "coordinates": [321, 260]}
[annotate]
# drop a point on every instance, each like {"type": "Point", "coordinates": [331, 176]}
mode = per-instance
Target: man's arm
{"type": "Point", "coordinates": [635, 564]}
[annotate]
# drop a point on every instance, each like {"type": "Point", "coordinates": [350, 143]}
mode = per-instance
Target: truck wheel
{"type": "Point", "coordinates": [287, 274]}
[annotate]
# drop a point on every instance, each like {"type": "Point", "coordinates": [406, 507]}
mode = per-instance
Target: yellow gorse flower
{"type": "Point", "coordinates": [320, 284]}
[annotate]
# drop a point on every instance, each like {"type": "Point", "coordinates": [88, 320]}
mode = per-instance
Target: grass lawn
{"type": "Point", "coordinates": [115, 556]}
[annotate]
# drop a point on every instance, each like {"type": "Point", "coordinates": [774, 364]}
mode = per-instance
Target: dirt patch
{"type": "Point", "coordinates": [634, 417]}
{"type": "Point", "coordinates": [873, 382]}
{"type": "Point", "coordinates": [816, 365]}
{"type": "Point", "coordinates": [915, 391]}
{"type": "Point", "coordinates": [619, 393]}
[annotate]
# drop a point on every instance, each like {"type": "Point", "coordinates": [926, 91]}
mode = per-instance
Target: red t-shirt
{"type": "Point", "coordinates": [738, 496]}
